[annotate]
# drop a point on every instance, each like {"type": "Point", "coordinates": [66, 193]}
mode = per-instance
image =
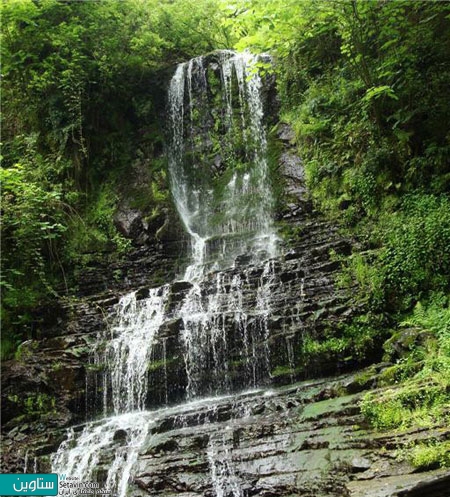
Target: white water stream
{"type": "Point", "coordinates": [224, 222]}
{"type": "Point", "coordinates": [245, 201]}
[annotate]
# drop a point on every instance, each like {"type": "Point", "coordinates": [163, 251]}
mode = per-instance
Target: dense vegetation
{"type": "Point", "coordinates": [83, 90]}
{"type": "Point", "coordinates": [363, 84]}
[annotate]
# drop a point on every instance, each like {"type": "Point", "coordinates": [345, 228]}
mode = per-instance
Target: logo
{"type": "Point", "coordinates": [29, 484]}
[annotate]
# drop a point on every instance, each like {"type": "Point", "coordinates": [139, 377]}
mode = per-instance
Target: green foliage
{"type": "Point", "coordinates": [35, 404]}
{"type": "Point", "coordinates": [411, 254]}
{"type": "Point", "coordinates": [416, 252]}
{"type": "Point", "coordinates": [38, 404]}
{"type": "Point", "coordinates": [360, 268]}
{"type": "Point", "coordinates": [282, 371]}
{"type": "Point", "coordinates": [362, 83]}
{"type": "Point", "coordinates": [410, 405]}
{"type": "Point", "coordinates": [35, 215]}
{"type": "Point", "coordinates": [83, 86]}
{"type": "Point", "coordinates": [433, 321]}
{"type": "Point", "coordinates": [9, 344]}
{"type": "Point", "coordinates": [95, 232]}
{"type": "Point", "coordinates": [430, 455]}
{"type": "Point", "coordinates": [422, 375]}
{"type": "Point", "coordinates": [356, 342]}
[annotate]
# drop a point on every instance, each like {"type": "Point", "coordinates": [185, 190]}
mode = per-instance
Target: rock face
{"type": "Point", "coordinates": [44, 387]}
{"type": "Point", "coordinates": [308, 439]}
{"type": "Point", "coordinates": [56, 370]}
{"type": "Point", "coordinates": [254, 346]}
{"type": "Point", "coordinates": [280, 438]}
{"type": "Point", "coordinates": [304, 439]}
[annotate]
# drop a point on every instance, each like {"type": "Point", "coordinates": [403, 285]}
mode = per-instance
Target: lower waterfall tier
{"type": "Point", "coordinates": [307, 439]}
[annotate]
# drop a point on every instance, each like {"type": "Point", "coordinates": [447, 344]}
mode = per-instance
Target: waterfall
{"type": "Point", "coordinates": [226, 208]}
{"type": "Point", "coordinates": [113, 443]}
{"type": "Point", "coordinates": [240, 192]}
{"type": "Point", "coordinates": [206, 321]}
{"type": "Point", "coordinates": [126, 349]}
{"type": "Point", "coordinates": [223, 475]}
{"type": "Point", "coordinates": [217, 162]}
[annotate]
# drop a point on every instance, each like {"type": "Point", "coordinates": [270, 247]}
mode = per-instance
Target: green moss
{"type": "Point", "coordinates": [430, 455]}
{"type": "Point", "coordinates": [162, 363]}
{"type": "Point", "coordinates": [365, 376]}
{"type": "Point", "coordinates": [326, 407]}
{"type": "Point", "coordinates": [37, 404]}
{"type": "Point", "coordinates": [289, 232]}
{"type": "Point", "coordinates": [390, 375]}
{"type": "Point", "coordinates": [414, 404]}
{"type": "Point", "coordinates": [26, 350]}
{"type": "Point", "coordinates": [9, 344]}
{"type": "Point", "coordinates": [315, 348]}
{"type": "Point", "coordinates": [282, 371]}
{"type": "Point", "coordinates": [347, 342]}
{"type": "Point", "coordinates": [95, 233]}
{"type": "Point", "coordinates": [236, 363]}
{"type": "Point", "coordinates": [93, 368]}
{"type": "Point", "coordinates": [278, 181]}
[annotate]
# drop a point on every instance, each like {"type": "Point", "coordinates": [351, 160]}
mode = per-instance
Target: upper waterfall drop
{"type": "Point", "coordinates": [217, 155]}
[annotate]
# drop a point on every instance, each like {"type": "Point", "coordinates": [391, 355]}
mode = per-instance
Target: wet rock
{"type": "Point", "coordinates": [171, 328]}
{"type": "Point", "coordinates": [130, 223]}
{"type": "Point", "coordinates": [292, 254]}
{"type": "Point", "coordinates": [181, 286]}
{"type": "Point", "coordinates": [142, 293]}
{"type": "Point", "coordinates": [285, 277]}
{"type": "Point", "coordinates": [344, 204]}
{"type": "Point", "coordinates": [433, 486]}
{"type": "Point", "coordinates": [120, 436]}
{"type": "Point", "coordinates": [273, 451]}
{"type": "Point", "coordinates": [360, 464]}
{"type": "Point", "coordinates": [278, 444]}
{"type": "Point", "coordinates": [404, 340]}
{"type": "Point", "coordinates": [166, 446]}
{"type": "Point", "coordinates": [243, 260]}
{"type": "Point", "coordinates": [200, 442]}
{"type": "Point", "coordinates": [285, 133]}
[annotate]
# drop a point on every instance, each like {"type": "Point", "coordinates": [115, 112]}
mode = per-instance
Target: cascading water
{"type": "Point", "coordinates": [113, 443]}
{"type": "Point", "coordinates": [126, 349]}
{"type": "Point", "coordinates": [217, 155]}
{"type": "Point", "coordinates": [223, 475]}
{"type": "Point", "coordinates": [227, 210]}
{"type": "Point", "coordinates": [220, 181]}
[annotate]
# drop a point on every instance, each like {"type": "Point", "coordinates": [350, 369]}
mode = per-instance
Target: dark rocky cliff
{"type": "Point", "coordinates": [307, 440]}
{"type": "Point", "coordinates": [304, 439]}
{"type": "Point", "coordinates": [49, 375]}
{"type": "Point", "coordinates": [293, 438]}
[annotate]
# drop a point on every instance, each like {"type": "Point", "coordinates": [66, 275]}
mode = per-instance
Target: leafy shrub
{"type": "Point", "coordinates": [410, 256]}
{"type": "Point", "coordinates": [410, 405]}
{"type": "Point", "coordinates": [416, 254]}
{"type": "Point", "coordinates": [430, 455]}
{"type": "Point", "coordinates": [422, 394]}
{"type": "Point", "coordinates": [95, 233]}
